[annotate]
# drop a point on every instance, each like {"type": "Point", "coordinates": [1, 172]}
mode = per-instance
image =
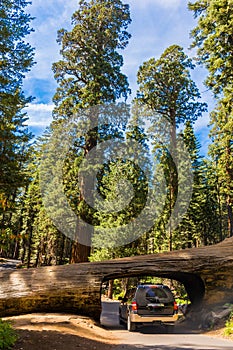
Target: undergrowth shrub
{"type": "Point", "coordinates": [229, 325]}
{"type": "Point", "coordinates": [7, 335]}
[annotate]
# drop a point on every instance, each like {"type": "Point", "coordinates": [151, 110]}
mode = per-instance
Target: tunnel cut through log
{"type": "Point", "coordinates": [193, 284]}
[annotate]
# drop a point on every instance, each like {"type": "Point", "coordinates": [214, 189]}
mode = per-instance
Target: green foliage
{"type": "Point", "coordinates": [123, 185]}
{"type": "Point", "coordinates": [200, 224]}
{"type": "Point", "coordinates": [89, 73]}
{"type": "Point", "coordinates": [213, 37]}
{"type": "Point", "coordinates": [101, 254]}
{"type": "Point", "coordinates": [171, 96]}
{"type": "Point", "coordinates": [16, 59]}
{"type": "Point", "coordinates": [41, 242]}
{"type": "Point", "coordinates": [229, 326]}
{"type": "Point", "coordinates": [221, 151]}
{"type": "Point", "coordinates": [165, 85]}
{"type": "Point", "coordinates": [7, 335]}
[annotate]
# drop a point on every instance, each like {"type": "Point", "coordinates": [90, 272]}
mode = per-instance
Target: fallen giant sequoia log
{"type": "Point", "coordinates": [206, 272]}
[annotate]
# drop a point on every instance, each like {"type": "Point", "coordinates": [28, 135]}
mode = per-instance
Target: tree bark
{"type": "Point", "coordinates": [110, 289]}
{"type": "Point", "coordinates": [230, 181]}
{"type": "Point", "coordinates": [81, 247]}
{"type": "Point", "coordinates": [230, 217]}
{"type": "Point", "coordinates": [80, 253]}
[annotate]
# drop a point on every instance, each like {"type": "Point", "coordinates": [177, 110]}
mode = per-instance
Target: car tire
{"type": "Point", "coordinates": [121, 322]}
{"type": "Point", "coordinates": [131, 326]}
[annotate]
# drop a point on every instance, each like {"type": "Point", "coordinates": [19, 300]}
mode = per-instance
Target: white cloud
{"type": "Point", "coordinates": [40, 115]}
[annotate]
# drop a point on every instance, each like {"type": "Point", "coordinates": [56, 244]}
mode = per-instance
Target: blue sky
{"type": "Point", "coordinates": [156, 24]}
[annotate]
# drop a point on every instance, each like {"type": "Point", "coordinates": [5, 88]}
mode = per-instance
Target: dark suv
{"type": "Point", "coordinates": [151, 304]}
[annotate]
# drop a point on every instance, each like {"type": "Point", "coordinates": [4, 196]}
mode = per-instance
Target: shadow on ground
{"type": "Point", "coordinates": [55, 340]}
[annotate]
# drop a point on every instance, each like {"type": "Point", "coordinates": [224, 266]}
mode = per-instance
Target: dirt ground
{"type": "Point", "coordinates": [60, 332]}
{"type": "Point", "coordinates": [69, 332]}
{"type": "Point", "coordinates": [219, 332]}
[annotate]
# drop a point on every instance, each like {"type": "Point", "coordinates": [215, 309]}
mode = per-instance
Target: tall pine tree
{"type": "Point", "coordinates": [16, 59]}
{"type": "Point", "coordinates": [89, 75]}
{"type": "Point", "coordinates": [166, 87]}
{"type": "Point", "coordinates": [213, 38]}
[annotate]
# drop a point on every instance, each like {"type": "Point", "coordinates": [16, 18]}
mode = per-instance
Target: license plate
{"type": "Point", "coordinates": [155, 305]}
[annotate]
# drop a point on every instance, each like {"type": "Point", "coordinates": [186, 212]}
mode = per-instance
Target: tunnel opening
{"type": "Point", "coordinates": [193, 283]}
{"type": "Point", "coordinates": [188, 290]}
